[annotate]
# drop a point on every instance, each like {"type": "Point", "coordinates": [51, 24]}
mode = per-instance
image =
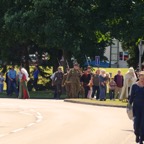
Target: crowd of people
{"type": "Point", "coordinates": [128, 87]}
{"type": "Point", "coordinates": [75, 83]}
{"type": "Point", "coordinates": [86, 84]}
{"type": "Point", "coordinates": [16, 82]}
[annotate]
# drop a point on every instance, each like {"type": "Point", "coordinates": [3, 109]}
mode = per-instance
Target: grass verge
{"type": "Point", "coordinates": [108, 102]}
{"type": "Point", "coordinates": [34, 95]}
{"type": "Point", "coordinates": [49, 95]}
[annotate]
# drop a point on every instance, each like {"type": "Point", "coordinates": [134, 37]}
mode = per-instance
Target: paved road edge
{"type": "Point", "coordinates": [94, 104]}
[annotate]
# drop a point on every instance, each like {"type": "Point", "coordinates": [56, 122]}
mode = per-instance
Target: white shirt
{"type": "Point", "coordinates": [19, 75]}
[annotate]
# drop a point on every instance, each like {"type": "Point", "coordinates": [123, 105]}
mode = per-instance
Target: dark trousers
{"type": "Point", "coordinates": [111, 94]}
{"type": "Point", "coordinates": [12, 87]}
{"type": "Point", "coordinates": [58, 91]}
{"type": "Point", "coordinates": [35, 83]}
{"type": "Point", "coordinates": [96, 90]}
{"type": "Point", "coordinates": [86, 88]}
{"type": "Point", "coordinates": [138, 112]}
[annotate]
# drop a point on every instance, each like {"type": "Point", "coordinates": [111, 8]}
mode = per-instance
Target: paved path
{"type": "Point", "coordinates": [58, 122]}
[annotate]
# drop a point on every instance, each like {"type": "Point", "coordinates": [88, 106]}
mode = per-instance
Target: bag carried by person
{"type": "Point", "coordinates": [129, 110]}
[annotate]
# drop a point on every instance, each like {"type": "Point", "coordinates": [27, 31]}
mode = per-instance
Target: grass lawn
{"type": "Point", "coordinates": [113, 71]}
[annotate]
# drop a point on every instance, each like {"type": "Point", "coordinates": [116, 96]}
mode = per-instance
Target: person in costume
{"type": "Point", "coordinates": [137, 100]}
{"type": "Point", "coordinates": [74, 79]}
{"type": "Point", "coordinates": [129, 79]}
{"type": "Point", "coordinates": [23, 90]}
{"type": "Point", "coordinates": [65, 84]}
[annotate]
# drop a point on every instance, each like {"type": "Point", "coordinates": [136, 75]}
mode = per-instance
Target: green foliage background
{"type": "Point", "coordinates": [68, 27]}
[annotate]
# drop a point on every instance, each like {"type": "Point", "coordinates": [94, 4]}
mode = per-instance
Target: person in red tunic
{"type": "Point", "coordinates": [24, 94]}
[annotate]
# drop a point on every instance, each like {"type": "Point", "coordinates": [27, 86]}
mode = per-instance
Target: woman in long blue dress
{"type": "Point", "coordinates": [137, 99]}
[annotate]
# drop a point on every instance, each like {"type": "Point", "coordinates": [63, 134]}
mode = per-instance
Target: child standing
{"type": "Point", "coordinates": [112, 87]}
{"type": "Point", "coordinates": [1, 82]}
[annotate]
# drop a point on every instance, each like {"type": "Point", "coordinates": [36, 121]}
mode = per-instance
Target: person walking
{"type": "Point", "coordinates": [74, 79]}
{"type": "Point", "coordinates": [112, 87]}
{"type": "Point", "coordinates": [66, 84]}
{"type": "Point", "coordinates": [95, 81]}
{"type": "Point", "coordinates": [137, 100]}
{"type": "Point", "coordinates": [118, 78]}
{"type": "Point", "coordinates": [85, 80]}
{"type": "Point", "coordinates": [57, 83]}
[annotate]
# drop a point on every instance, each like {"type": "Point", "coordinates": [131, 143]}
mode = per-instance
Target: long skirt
{"type": "Point", "coordinates": [23, 91]}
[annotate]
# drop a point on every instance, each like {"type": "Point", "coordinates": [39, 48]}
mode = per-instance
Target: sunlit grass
{"type": "Point", "coordinates": [114, 70]}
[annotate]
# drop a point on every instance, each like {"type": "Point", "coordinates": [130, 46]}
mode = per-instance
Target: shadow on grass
{"type": "Point", "coordinates": [35, 95]}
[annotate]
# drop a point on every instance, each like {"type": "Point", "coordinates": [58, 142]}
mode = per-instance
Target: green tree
{"type": "Point", "coordinates": [66, 26]}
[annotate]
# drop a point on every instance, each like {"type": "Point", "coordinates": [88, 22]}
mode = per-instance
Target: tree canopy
{"type": "Point", "coordinates": [68, 27]}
